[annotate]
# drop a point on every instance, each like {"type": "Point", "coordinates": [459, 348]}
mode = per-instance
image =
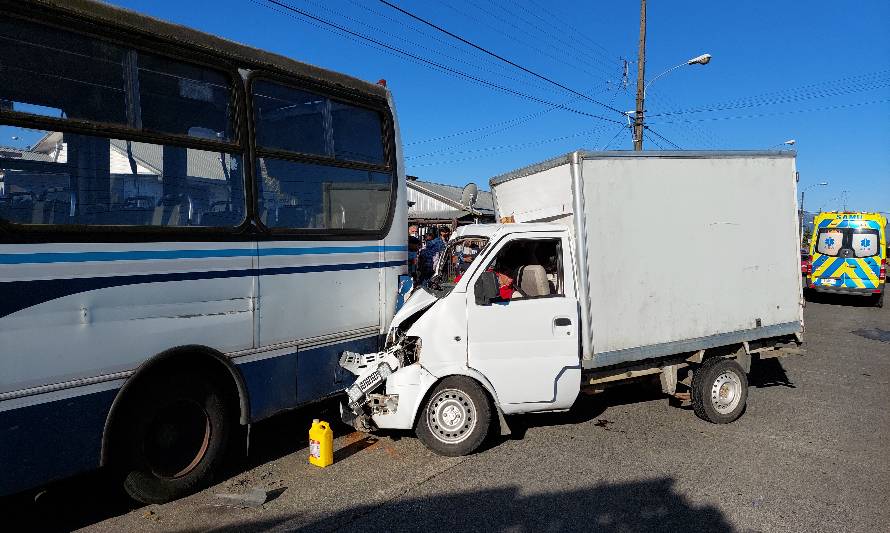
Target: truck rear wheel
{"type": "Point", "coordinates": [719, 390]}
{"type": "Point", "coordinates": [455, 419]}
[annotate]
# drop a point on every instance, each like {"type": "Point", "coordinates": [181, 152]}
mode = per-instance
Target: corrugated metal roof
{"type": "Point", "coordinates": [442, 202]}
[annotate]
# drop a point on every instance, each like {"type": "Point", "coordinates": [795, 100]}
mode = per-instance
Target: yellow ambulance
{"type": "Point", "coordinates": [848, 254]}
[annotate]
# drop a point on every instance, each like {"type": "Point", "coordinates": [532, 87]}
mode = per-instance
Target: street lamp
{"type": "Point", "coordinates": [703, 59]}
{"type": "Point", "coordinates": [802, 193]}
{"type": "Point", "coordinates": [789, 142]}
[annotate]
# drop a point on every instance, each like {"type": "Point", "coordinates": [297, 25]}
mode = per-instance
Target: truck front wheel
{"type": "Point", "coordinates": [455, 418]}
{"type": "Point", "coordinates": [719, 390]}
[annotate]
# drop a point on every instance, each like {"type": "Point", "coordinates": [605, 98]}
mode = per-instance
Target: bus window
{"type": "Point", "coordinates": [306, 196]}
{"type": "Point", "coordinates": [67, 178]}
{"type": "Point", "coordinates": [73, 77]}
{"type": "Point", "coordinates": [317, 194]}
{"type": "Point", "coordinates": [305, 123]}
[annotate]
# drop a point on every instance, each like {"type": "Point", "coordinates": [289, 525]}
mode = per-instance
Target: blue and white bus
{"type": "Point", "coordinates": [191, 232]}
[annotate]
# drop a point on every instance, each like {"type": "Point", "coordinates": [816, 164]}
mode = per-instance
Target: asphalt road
{"type": "Point", "coordinates": [810, 454]}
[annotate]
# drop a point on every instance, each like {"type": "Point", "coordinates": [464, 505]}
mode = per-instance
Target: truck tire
{"type": "Point", "coordinates": [719, 390]}
{"type": "Point", "coordinates": [879, 300]}
{"type": "Point", "coordinates": [455, 418]}
{"type": "Point", "coordinates": [175, 438]}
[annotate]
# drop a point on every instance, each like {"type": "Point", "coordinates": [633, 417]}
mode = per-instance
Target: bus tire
{"type": "Point", "coordinates": [175, 438]}
{"type": "Point", "coordinates": [719, 390]}
{"type": "Point", "coordinates": [455, 418]}
{"type": "Point", "coordinates": [879, 299]}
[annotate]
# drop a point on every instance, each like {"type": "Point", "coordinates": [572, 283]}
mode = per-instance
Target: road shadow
{"type": "Point", "coordinates": [768, 373]}
{"type": "Point", "coordinates": [845, 300]}
{"type": "Point", "coordinates": [587, 408]}
{"type": "Point", "coordinates": [648, 505]}
{"type": "Point", "coordinates": [89, 498]}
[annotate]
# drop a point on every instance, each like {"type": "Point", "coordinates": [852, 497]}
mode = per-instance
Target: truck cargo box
{"type": "Point", "coordinates": [674, 251]}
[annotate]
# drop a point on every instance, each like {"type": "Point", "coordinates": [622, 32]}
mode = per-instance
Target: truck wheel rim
{"type": "Point", "coordinates": [726, 392]}
{"type": "Point", "coordinates": [451, 416]}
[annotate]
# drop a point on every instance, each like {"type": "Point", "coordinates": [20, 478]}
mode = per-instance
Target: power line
{"type": "Point", "coordinates": [492, 54]}
{"type": "Point", "coordinates": [662, 137]}
{"type": "Point", "coordinates": [505, 148]}
{"type": "Point", "coordinates": [787, 96]}
{"type": "Point", "coordinates": [510, 124]}
{"type": "Point", "coordinates": [591, 61]}
{"type": "Point", "coordinates": [426, 35]}
{"type": "Point", "coordinates": [653, 141]}
{"type": "Point", "coordinates": [520, 145]}
{"type": "Point", "coordinates": [778, 113]}
{"type": "Point", "coordinates": [605, 52]}
{"type": "Point", "coordinates": [606, 147]}
{"type": "Point", "coordinates": [434, 64]}
{"type": "Point", "coordinates": [418, 45]}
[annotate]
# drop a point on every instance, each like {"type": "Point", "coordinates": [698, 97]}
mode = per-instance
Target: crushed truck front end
{"type": "Point", "coordinates": [426, 342]}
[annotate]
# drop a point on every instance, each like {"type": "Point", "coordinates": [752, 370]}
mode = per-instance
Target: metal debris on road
{"type": "Point", "coordinates": [253, 498]}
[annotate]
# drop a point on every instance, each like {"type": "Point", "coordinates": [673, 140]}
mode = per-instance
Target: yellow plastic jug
{"type": "Point", "coordinates": [321, 444]}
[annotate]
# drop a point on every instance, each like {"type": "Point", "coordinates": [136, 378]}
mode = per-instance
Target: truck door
{"type": "Point", "coordinates": [526, 342]}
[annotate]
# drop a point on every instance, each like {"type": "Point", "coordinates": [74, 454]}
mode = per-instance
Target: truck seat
{"type": "Point", "coordinates": [533, 281]}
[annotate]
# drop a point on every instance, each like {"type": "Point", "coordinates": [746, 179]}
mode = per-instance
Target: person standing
{"type": "Point", "coordinates": [427, 257]}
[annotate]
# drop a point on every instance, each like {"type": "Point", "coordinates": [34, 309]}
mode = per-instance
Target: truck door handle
{"type": "Point", "coordinates": [562, 321]}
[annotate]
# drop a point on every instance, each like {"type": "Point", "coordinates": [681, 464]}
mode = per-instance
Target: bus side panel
{"type": "Point", "coordinates": [110, 307]}
{"type": "Point", "coordinates": [52, 440]}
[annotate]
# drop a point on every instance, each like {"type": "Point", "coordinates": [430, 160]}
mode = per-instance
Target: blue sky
{"type": "Point", "coordinates": [817, 72]}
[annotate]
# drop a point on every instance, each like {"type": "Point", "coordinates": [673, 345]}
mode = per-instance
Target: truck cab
{"type": "Point", "coordinates": [505, 318]}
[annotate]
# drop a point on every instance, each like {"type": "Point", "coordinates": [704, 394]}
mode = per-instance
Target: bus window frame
{"type": "Point", "coordinates": [13, 232]}
{"type": "Point", "coordinates": [241, 72]}
{"type": "Point", "coordinates": [341, 95]}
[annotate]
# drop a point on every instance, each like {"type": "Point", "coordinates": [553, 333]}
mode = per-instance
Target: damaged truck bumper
{"type": "Point", "coordinates": [385, 394]}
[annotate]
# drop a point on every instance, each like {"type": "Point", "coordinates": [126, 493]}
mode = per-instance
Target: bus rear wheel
{"type": "Point", "coordinates": [175, 438]}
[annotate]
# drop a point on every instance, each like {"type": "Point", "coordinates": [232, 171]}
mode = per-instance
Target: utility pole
{"type": "Point", "coordinates": [641, 75]}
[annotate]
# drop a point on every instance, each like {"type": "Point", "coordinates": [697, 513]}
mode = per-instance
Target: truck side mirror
{"type": "Point", "coordinates": [486, 288]}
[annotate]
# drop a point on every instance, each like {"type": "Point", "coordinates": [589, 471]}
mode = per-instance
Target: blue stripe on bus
{"type": "Point", "coordinates": [18, 295]}
{"type": "Point", "coordinates": [143, 255]}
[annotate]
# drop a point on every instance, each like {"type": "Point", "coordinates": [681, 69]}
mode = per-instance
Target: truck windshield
{"type": "Point", "coordinates": [456, 258]}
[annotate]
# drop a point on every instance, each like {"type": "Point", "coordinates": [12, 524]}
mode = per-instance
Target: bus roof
{"type": "Point", "coordinates": [151, 27]}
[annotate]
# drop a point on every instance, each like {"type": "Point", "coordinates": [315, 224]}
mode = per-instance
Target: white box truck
{"type": "Point", "coordinates": [610, 266]}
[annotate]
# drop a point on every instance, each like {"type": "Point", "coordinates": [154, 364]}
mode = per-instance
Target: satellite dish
{"type": "Point", "coordinates": [469, 194]}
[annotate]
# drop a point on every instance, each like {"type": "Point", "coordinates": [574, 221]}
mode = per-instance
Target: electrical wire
{"type": "Point", "coordinates": [662, 137]}
{"type": "Point", "coordinates": [653, 141]}
{"type": "Point", "coordinates": [606, 147]}
{"type": "Point", "coordinates": [549, 10]}
{"type": "Point", "coordinates": [516, 120]}
{"type": "Point", "coordinates": [431, 63]}
{"type": "Point", "coordinates": [515, 12]}
{"type": "Point", "coordinates": [791, 95]}
{"type": "Point", "coordinates": [493, 54]}
{"type": "Point", "coordinates": [569, 61]}
{"type": "Point", "coordinates": [447, 42]}
{"type": "Point", "coordinates": [779, 113]}
{"type": "Point", "coordinates": [484, 152]}
{"type": "Point", "coordinates": [414, 44]}
{"type": "Point", "coordinates": [513, 124]}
